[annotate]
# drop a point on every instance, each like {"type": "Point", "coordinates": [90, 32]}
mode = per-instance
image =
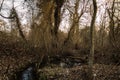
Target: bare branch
{"type": "Point", "coordinates": [110, 13]}
{"type": "Point", "coordinates": [7, 17]}
{"type": "Point", "coordinates": [1, 5]}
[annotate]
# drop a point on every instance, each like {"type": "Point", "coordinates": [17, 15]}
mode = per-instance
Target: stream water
{"type": "Point", "coordinates": [28, 74]}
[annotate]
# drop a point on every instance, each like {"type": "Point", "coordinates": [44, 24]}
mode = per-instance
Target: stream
{"type": "Point", "coordinates": [27, 74]}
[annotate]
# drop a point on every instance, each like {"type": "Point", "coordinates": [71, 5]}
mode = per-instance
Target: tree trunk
{"type": "Point", "coordinates": [19, 25]}
{"type": "Point", "coordinates": [57, 15]}
{"type": "Point", "coordinates": [92, 29]}
{"type": "Point", "coordinates": [57, 20]}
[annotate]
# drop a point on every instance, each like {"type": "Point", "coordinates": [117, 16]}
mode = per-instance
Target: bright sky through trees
{"type": "Point", "coordinates": [23, 10]}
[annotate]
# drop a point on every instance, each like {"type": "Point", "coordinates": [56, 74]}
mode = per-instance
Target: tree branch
{"type": "Point", "coordinates": [7, 17]}
{"type": "Point", "coordinates": [1, 5]}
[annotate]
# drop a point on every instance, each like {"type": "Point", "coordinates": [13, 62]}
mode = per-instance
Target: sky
{"type": "Point", "coordinates": [21, 8]}
{"type": "Point", "coordinates": [86, 18]}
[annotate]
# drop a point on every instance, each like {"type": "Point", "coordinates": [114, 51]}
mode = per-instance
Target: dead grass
{"type": "Point", "coordinates": [101, 72]}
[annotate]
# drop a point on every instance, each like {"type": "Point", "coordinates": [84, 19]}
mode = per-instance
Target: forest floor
{"type": "Point", "coordinates": [69, 66]}
{"type": "Point", "coordinates": [101, 72]}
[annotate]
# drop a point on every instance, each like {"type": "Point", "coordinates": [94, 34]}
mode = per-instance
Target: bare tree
{"type": "Point", "coordinates": [48, 21]}
{"type": "Point", "coordinates": [92, 29]}
{"type": "Point", "coordinates": [16, 19]}
{"type": "Point", "coordinates": [113, 24]}
{"type": "Point", "coordinates": [73, 33]}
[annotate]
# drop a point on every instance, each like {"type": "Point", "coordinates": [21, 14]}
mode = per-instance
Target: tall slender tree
{"type": "Point", "coordinates": [92, 40]}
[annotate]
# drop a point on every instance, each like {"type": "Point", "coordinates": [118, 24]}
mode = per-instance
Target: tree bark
{"type": "Point", "coordinates": [57, 15]}
{"type": "Point", "coordinates": [92, 29]}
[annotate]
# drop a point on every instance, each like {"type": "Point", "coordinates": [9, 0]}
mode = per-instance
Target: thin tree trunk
{"type": "Point", "coordinates": [92, 30]}
{"type": "Point", "coordinates": [18, 25]}
{"type": "Point", "coordinates": [1, 5]}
